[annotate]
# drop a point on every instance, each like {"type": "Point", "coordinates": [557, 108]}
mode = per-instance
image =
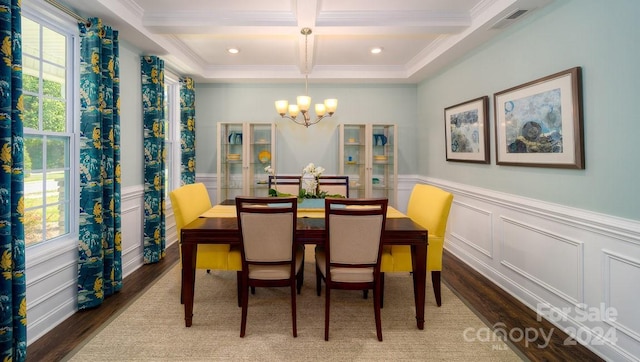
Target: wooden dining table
{"type": "Point", "coordinates": [219, 226]}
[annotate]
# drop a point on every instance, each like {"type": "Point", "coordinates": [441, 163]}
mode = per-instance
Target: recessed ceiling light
{"type": "Point", "coordinates": [233, 50]}
{"type": "Point", "coordinates": [376, 50]}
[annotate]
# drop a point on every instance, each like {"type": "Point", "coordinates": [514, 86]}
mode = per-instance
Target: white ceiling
{"type": "Point", "coordinates": [418, 37]}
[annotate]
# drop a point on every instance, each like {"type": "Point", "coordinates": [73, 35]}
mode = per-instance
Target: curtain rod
{"type": "Point", "coordinates": [67, 11]}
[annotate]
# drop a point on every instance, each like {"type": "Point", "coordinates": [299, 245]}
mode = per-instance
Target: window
{"type": "Point", "coordinates": [49, 140]}
{"type": "Point", "coordinates": [171, 133]}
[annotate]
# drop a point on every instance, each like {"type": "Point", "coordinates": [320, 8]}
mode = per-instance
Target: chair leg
{"type": "Point", "coordinates": [293, 308]}
{"type": "Point", "coordinates": [376, 310]}
{"type": "Point", "coordinates": [326, 313]}
{"type": "Point", "coordinates": [365, 294]}
{"type": "Point", "coordinates": [299, 279]}
{"type": "Point", "coordinates": [381, 290]}
{"type": "Point", "coordinates": [301, 273]}
{"type": "Point", "coordinates": [245, 304]}
{"type": "Point", "coordinates": [253, 290]}
{"type": "Point", "coordinates": [318, 277]}
{"type": "Point", "coordinates": [435, 279]}
{"type": "Point", "coordinates": [239, 285]}
{"type": "Point", "coordinates": [182, 289]}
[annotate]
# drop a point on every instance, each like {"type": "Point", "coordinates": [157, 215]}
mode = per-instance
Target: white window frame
{"type": "Point", "coordinates": [172, 142]}
{"type": "Point", "coordinates": [60, 22]}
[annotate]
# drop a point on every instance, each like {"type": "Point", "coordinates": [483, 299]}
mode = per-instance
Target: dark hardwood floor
{"type": "Point", "coordinates": [488, 301]}
{"type": "Point", "coordinates": [494, 305]}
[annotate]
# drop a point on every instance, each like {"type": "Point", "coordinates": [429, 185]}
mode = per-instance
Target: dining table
{"type": "Point", "coordinates": [219, 225]}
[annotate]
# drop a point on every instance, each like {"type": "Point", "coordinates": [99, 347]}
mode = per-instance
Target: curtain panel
{"type": "Point", "coordinates": [152, 72]}
{"type": "Point", "coordinates": [100, 248]}
{"type": "Point", "coordinates": [13, 314]}
{"type": "Point", "coordinates": [187, 131]}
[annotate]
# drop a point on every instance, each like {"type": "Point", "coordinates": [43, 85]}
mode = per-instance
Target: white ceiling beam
{"type": "Point", "coordinates": [194, 21]}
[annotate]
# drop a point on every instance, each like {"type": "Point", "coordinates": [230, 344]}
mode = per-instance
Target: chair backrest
{"type": "Point", "coordinates": [188, 203]}
{"type": "Point", "coordinates": [334, 185]}
{"type": "Point", "coordinates": [285, 184]}
{"type": "Point", "coordinates": [267, 229]}
{"type": "Point", "coordinates": [354, 229]}
{"type": "Point", "coordinates": [429, 206]}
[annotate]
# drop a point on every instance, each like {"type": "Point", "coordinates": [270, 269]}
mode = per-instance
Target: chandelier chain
{"type": "Point", "coordinates": [306, 32]}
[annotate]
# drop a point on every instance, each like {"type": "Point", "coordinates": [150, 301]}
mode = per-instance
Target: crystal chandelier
{"type": "Point", "coordinates": [304, 102]}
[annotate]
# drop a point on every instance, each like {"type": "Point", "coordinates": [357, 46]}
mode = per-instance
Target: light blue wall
{"type": "Point", "coordinates": [602, 37]}
{"type": "Point", "coordinates": [297, 145]}
{"type": "Point", "coordinates": [131, 150]}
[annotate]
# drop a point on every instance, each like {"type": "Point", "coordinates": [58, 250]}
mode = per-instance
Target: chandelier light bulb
{"type": "Point", "coordinates": [281, 107]}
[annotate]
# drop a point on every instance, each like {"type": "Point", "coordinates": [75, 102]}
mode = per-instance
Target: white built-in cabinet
{"type": "Point", "coordinates": [368, 155]}
{"type": "Point", "coordinates": [244, 150]}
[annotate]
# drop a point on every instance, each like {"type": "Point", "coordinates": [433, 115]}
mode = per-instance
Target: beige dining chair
{"type": "Point", "coordinates": [334, 185]}
{"type": "Point", "coordinates": [350, 258]}
{"type": "Point", "coordinates": [285, 185]}
{"type": "Point", "coordinates": [270, 256]}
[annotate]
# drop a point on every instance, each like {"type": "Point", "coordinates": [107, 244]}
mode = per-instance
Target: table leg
{"type": "Point", "coordinates": [419, 261]}
{"type": "Point", "coordinates": [188, 280]}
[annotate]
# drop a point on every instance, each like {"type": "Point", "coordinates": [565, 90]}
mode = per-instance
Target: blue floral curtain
{"type": "Point", "coordinates": [152, 69]}
{"type": "Point", "coordinates": [13, 289]}
{"type": "Point", "coordinates": [187, 131]}
{"type": "Point", "coordinates": [100, 248]}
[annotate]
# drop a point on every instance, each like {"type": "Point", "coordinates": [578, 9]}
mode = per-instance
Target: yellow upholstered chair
{"type": "Point", "coordinates": [188, 203]}
{"type": "Point", "coordinates": [428, 206]}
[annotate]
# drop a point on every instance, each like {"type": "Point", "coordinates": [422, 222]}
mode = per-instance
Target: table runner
{"type": "Point", "coordinates": [230, 211]}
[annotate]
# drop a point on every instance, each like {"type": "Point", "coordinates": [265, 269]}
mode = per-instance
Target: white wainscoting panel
{"type": "Point", "coordinates": [567, 264]}
{"type": "Point", "coordinates": [618, 269]}
{"type": "Point", "coordinates": [52, 269]}
{"type": "Point", "coordinates": [473, 226]}
{"type": "Point", "coordinates": [132, 212]}
{"type": "Point", "coordinates": [533, 253]}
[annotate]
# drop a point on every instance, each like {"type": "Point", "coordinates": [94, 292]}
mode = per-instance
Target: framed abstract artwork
{"type": "Point", "coordinates": [467, 131]}
{"type": "Point", "coordinates": [539, 123]}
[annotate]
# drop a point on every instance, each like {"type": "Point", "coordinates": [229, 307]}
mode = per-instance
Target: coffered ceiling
{"type": "Point", "coordinates": [417, 37]}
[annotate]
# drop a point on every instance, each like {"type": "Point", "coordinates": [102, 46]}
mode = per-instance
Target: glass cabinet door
{"type": "Point", "coordinates": [261, 154]}
{"type": "Point", "coordinates": [230, 161]}
{"type": "Point", "coordinates": [383, 162]}
{"type": "Point", "coordinates": [354, 156]}
{"type": "Point", "coordinates": [368, 155]}
{"type": "Point", "coordinates": [244, 150]}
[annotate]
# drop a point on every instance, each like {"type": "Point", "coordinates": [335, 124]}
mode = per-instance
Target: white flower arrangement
{"type": "Point", "coordinates": [271, 172]}
{"type": "Point", "coordinates": [310, 183]}
{"type": "Point", "coordinates": [312, 169]}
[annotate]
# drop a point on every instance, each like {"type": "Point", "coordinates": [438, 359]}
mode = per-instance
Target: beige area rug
{"type": "Point", "coordinates": [152, 327]}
